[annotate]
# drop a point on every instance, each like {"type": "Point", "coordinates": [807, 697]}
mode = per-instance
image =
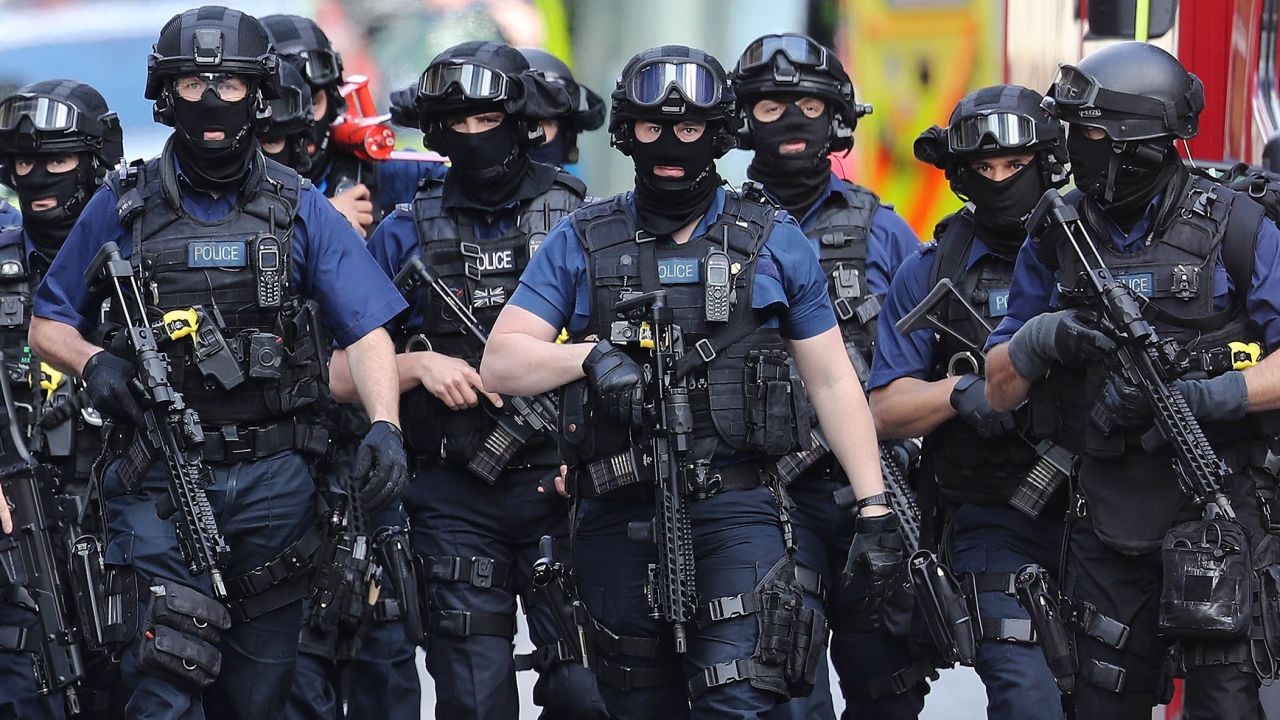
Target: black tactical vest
{"type": "Point", "coordinates": [483, 274]}
{"type": "Point", "coordinates": [843, 231]}
{"type": "Point", "coordinates": [742, 397]}
{"type": "Point", "coordinates": [1175, 271]}
{"type": "Point", "coordinates": [17, 286]}
{"type": "Point", "coordinates": [968, 467]}
{"type": "Point", "coordinates": [187, 262]}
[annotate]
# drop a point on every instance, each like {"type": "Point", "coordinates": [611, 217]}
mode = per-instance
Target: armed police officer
{"type": "Point", "coordinates": [586, 112]}
{"type": "Point", "coordinates": [363, 190]}
{"type": "Point", "coordinates": [797, 106]}
{"type": "Point", "coordinates": [735, 276]}
{"type": "Point", "coordinates": [1000, 151]}
{"type": "Point", "coordinates": [58, 140]}
{"type": "Point", "coordinates": [231, 246]}
{"type": "Point", "coordinates": [476, 515]}
{"type": "Point", "coordinates": [1199, 260]}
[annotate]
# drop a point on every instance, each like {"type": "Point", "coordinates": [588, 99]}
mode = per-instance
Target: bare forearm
{"type": "Point", "coordinates": [61, 345]}
{"type": "Point", "coordinates": [343, 386]}
{"type": "Point", "coordinates": [1006, 389]}
{"type": "Point", "coordinates": [519, 364]}
{"type": "Point", "coordinates": [1263, 384]}
{"type": "Point", "coordinates": [372, 367]}
{"type": "Point", "coordinates": [910, 407]}
{"type": "Point", "coordinates": [842, 409]}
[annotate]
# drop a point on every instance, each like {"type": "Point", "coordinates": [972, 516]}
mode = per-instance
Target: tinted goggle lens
{"type": "Point", "coordinates": [799, 50]}
{"type": "Point", "coordinates": [1005, 129]}
{"type": "Point", "coordinates": [320, 67]}
{"type": "Point", "coordinates": [474, 81]}
{"type": "Point", "coordinates": [653, 83]}
{"type": "Point", "coordinates": [46, 114]}
{"type": "Point", "coordinates": [1072, 87]}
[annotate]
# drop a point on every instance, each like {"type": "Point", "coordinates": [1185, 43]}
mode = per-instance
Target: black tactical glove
{"type": "Point", "coordinates": [107, 378]}
{"type": "Point", "coordinates": [1069, 337]}
{"type": "Point", "coordinates": [617, 383]}
{"type": "Point", "coordinates": [381, 465]}
{"type": "Point", "coordinates": [969, 398]}
{"type": "Point", "coordinates": [1125, 403]}
{"type": "Point", "coordinates": [1224, 397]}
{"type": "Point", "coordinates": [875, 558]}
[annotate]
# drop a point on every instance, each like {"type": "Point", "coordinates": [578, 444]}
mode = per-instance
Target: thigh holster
{"type": "Point", "coordinates": [479, 572]}
{"type": "Point", "coordinates": [180, 634]}
{"type": "Point", "coordinates": [609, 651]}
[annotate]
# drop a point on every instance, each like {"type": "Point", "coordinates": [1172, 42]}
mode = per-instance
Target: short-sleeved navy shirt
{"type": "Point", "coordinates": [899, 355]}
{"type": "Point", "coordinates": [397, 181]}
{"type": "Point", "coordinates": [330, 263]}
{"type": "Point", "coordinates": [1034, 288]}
{"type": "Point", "coordinates": [555, 287]}
{"type": "Point", "coordinates": [891, 242]}
{"type": "Point", "coordinates": [9, 215]}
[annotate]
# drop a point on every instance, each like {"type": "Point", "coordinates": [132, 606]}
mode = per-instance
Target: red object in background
{"type": "Point", "coordinates": [359, 130]}
{"type": "Point", "coordinates": [1205, 48]}
{"type": "Point", "coordinates": [1173, 711]}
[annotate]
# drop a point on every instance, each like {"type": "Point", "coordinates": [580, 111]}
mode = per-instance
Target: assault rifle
{"type": "Point", "coordinates": [528, 417]}
{"type": "Point", "coordinates": [1145, 360]}
{"type": "Point", "coordinates": [32, 562]}
{"type": "Point", "coordinates": [671, 591]}
{"type": "Point", "coordinates": [171, 428]}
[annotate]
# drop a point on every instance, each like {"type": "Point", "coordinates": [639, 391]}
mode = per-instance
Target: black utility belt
{"type": "Point", "coordinates": [232, 443]}
{"type": "Point", "coordinates": [698, 482]}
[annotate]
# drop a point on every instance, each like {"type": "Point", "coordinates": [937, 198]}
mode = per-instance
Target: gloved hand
{"type": "Point", "coordinates": [1126, 403]}
{"type": "Point", "coordinates": [381, 465]}
{"type": "Point", "coordinates": [875, 557]}
{"type": "Point", "coordinates": [617, 383]}
{"type": "Point", "coordinates": [1070, 337]}
{"type": "Point", "coordinates": [969, 398]}
{"type": "Point", "coordinates": [107, 379]}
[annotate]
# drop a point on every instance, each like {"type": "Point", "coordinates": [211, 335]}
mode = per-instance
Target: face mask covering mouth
{"type": "Point", "coordinates": [1001, 206]}
{"type": "Point", "coordinates": [1134, 184]}
{"type": "Point", "coordinates": [488, 167]}
{"type": "Point", "coordinates": [214, 163]}
{"type": "Point", "coordinates": [48, 227]}
{"type": "Point", "coordinates": [664, 203]}
{"type": "Point", "coordinates": [794, 179]}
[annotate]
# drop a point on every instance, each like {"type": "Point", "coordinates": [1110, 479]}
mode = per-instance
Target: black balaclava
{"type": "Point", "coordinates": [488, 167]}
{"type": "Point", "coordinates": [294, 153]}
{"type": "Point", "coordinates": [1136, 183]}
{"type": "Point", "coordinates": [554, 152]}
{"type": "Point", "coordinates": [48, 229]}
{"type": "Point", "coordinates": [664, 205]}
{"type": "Point", "coordinates": [1001, 206]}
{"type": "Point", "coordinates": [796, 180]}
{"type": "Point", "coordinates": [321, 138]}
{"type": "Point", "coordinates": [214, 165]}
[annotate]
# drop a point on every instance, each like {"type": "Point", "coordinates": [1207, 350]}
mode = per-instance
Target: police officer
{"type": "Point", "coordinates": [797, 106]}
{"type": "Point", "coordinates": [585, 113]}
{"type": "Point", "coordinates": [1203, 257]}
{"type": "Point", "coordinates": [477, 526]}
{"type": "Point", "coordinates": [184, 220]}
{"type": "Point", "coordinates": [58, 140]}
{"type": "Point", "coordinates": [1000, 151]}
{"type": "Point", "coordinates": [353, 660]}
{"type": "Point", "coordinates": [363, 191]}
{"type": "Point", "coordinates": [674, 113]}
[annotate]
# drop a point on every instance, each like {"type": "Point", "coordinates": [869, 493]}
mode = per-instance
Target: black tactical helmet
{"type": "Point", "coordinates": [57, 116]}
{"type": "Point", "coordinates": [793, 64]}
{"type": "Point", "coordinates": [291, 112]}
{"type": "Point", "coordinates": [673, 81]}
{"type": "Point", "coordinates": [210, 39]}
{"type": "Point", "coordinates": [587, 111]}
{"type": "Point", "coordinates": [301, 41]}
{"type": "Point", "coordinates": [1132, 90]}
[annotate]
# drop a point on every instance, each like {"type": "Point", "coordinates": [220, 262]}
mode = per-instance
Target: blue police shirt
{"type": "Point", "coordinates": [899, 355]}
{"type": "Point", "coordinates": [555, 286]}
{"type": "Point", "coordinates": [1034, 288]}
{"type": "Point", "coordinates": [330, 263]}
{"type": "Point", "coordinates": [9, 215]}
{"type": "Point", "coordinates": [397, 181]}
{"type": "Point", "coordinates": [892, 240]}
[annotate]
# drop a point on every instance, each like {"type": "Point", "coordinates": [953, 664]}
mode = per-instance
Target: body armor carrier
{"type": "Point", "coordinates": [843, 231]}
{"type": "Point", "coordinates": [741, 392]}
{"type": "Point", "coordinates": [484, 274]}
{"type": "Point", "coordinates": [17, 287]}
{"type": "Point", "coordinates": [1176, 271]}
{"type": "Point", "coordinates": [225, 269]}
{"type": "Point", "coordinates": [969, 468]}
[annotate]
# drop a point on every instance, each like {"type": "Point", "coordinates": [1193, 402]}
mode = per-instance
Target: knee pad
{"type": "Point", "coordinates": [180, 633]}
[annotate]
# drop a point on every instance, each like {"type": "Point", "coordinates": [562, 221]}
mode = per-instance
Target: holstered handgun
{"type": "Point", "coordinates": [553, 581]}
{"type": "Point", "coordinates": [392, 544]}
{"type": "Point", "coordinates": [1032, 586]}
{"type": "Point", "coordinates": [952, 622]}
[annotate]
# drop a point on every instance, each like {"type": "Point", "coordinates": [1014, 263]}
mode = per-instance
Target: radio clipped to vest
{"type": "Point", "coordinates": [269, 267]}
{"type": "Point", "coordinates": [719, 286]}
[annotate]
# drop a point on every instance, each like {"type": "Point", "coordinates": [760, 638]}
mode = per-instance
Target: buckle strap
{"type": "Point", "coordinates": [995, 582]}
{"type": "Point", "coordinates": [606, 642]}
{"type": "Point", "coordinates": [230, 443]}
{"type": "Point", "coordinates": [901, 681]}
{"type": "Point", "coordinates": [730, 672]}
{"type": "Point", "coordinates": [386, 609]}
{"type": "Point", "coordinates": [632, 678]}
{"type": "Point", "coordinates": [17, 638]}
{"type": "Point", "coordinates": [1085, 617]}
{"type": "Point", "coordinates": [292, 563]}
{"type": "Point", "coordinates": [460, 623]}
{"type": "Point", "coordinates": [725, 608]}
{"type": "Point", "coordinates": [544, 657]}
{"type": "Point", "coordinates": [743, 476]}
{"type": "Point", "coordinates": [480, 572]}
{"type": "Point", "coordinates": [1014, 630]}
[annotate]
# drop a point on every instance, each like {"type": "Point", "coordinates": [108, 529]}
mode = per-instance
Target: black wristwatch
{"type": "Point", "coordinates": [877, 499]}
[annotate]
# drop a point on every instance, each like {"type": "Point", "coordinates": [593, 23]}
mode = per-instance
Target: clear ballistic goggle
{"type": "Point", "coordinates": [798, 49]}
{"type": "Point", "coordinates": [651, 84]}
{"type": "Point", "coordinates": [46, 114]}
{"type": "Point", "coordinates": [475, 82]}
{"type": "Point", "coordinates": [1003, 128]}
{"type": "Point", "coordinates": [320, 67]}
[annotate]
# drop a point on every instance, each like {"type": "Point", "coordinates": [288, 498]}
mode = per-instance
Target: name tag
{"type": "Point", "coordinates": [1142, 283]}
{"type": "Point", "coordinates": [998, 302]}
{"type": "Point", "coordinates": [678, 271]}
{"type": "Point", "coordinates": [218, 253]}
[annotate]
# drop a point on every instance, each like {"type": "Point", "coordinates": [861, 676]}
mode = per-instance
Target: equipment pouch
{"type": "Point", "coordinates": [945, 608]}
{"type": "Point", "coordinates": [770, 410]}
{"type": "Point", "coordinates": [188, 611]}
{"type": "Point", "coordinates": [185, 660]}
{"type": "Point", "coordinates": [791, 636]}
{"type": "Point", "coordinates": [1207, 592]}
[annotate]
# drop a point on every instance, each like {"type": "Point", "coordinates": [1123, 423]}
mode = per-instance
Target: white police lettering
{"type": "Point", "coordinates": [998, 302]}
{"type": "Point", "coordinates": [217, 253]}
{"type": "Point", "coordinates": [678, 271]}
{"type": "Point", "coordinates": [496, 260]}
{"type": "Point", "coordinates": [1141, 283]}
